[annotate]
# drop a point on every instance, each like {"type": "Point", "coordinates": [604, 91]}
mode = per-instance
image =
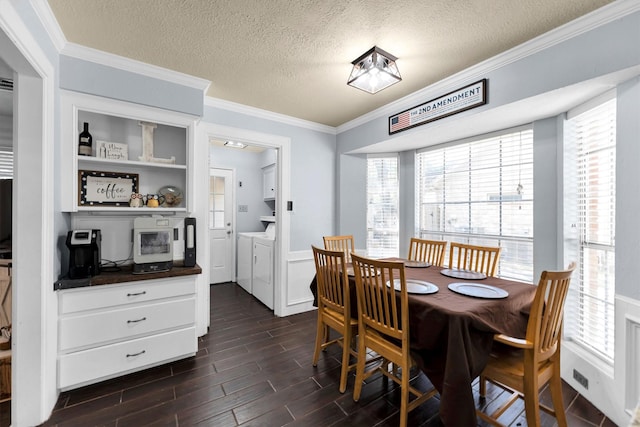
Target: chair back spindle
{"type": "Point", "coordinates": [431, 251]}
{"type": "Point", "coordinates": [344, 243]}
{"type": "Point", "coordinates": [481, 259]}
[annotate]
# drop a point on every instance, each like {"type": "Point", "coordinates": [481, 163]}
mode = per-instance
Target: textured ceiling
{"type": "Point", "coordinates": [294, 57]}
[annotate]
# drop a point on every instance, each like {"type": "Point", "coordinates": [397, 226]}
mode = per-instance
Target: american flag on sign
{"type": "Point", "coordinates": [399, 122]}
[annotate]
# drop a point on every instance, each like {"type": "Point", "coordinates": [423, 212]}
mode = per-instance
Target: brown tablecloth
{"type": "Point", "coordinates": [451, 335]}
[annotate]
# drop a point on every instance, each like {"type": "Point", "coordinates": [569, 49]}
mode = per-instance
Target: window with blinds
{"type": "Point", "coordinates": [589, 232]}
{"type": "Point", "coordinates": [382, 206]}
{"type": "Point", "coordinates": [481, 192]}
{"type": "Point", "coordinates": [6, 162]}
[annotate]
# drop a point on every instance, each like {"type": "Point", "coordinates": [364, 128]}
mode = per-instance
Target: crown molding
{"type": "Point", "coordinates": [606, 14]}
{"type": "Point", "coordinates": [46, 16]}
{"type": "Point", "coordinates": [49, 22]}
{"type": "Point", "coordinates": [131, 65]}
{"type": "Point", "coordinates": [267, 115]}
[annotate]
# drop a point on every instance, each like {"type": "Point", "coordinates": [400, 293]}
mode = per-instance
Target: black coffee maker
{"type": "Point", "coordinates": [84, 253]}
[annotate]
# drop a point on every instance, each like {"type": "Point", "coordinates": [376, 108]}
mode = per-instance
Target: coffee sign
{"type": "Point", "coordinates": [106, 188]}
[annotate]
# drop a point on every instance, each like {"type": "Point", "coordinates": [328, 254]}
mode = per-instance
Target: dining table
{"type": "Point", "coordinates": [451, 328]}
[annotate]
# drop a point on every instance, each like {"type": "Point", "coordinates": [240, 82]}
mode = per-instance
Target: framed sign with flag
{"type": "Point", "coordinates": [463, 99]}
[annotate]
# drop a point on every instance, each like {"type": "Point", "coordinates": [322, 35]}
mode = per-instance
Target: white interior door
{"type": "Point", "coordinates": [221, 226]}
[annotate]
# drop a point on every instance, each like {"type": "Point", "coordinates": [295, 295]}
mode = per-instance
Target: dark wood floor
{"type": "Point", "coordinates": [254, 369]}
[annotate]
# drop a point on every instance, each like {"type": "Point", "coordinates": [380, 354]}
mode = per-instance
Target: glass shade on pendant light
{"type": "Point", "coordinates": [374, 70]}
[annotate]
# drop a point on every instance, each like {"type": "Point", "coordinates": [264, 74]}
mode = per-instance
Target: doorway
{"type": "Point", "coordinates": [282, 145]}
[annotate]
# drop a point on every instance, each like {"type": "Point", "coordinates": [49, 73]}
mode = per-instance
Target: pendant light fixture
{"type": "Point", "coordinates": [374, 70]}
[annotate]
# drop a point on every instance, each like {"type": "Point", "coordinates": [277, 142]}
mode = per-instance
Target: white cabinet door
{"type": "Point", "coordinates": [269, 182]}
{"type": "Point", "coordinates": [263, 271]}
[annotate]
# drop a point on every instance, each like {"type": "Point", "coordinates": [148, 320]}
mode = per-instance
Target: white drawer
{"type": "Point", "coordinates": [98, 363]}
{"type": "Point", "coordinates": [80, 299]}
{"type": "Point", "coordinates": [92, 328]}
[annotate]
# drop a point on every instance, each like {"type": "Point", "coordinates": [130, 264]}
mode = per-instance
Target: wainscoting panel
{"type": "Point", "coordinates": [632, 330]}
{"type": "Point", "coordinates": [300, 272]}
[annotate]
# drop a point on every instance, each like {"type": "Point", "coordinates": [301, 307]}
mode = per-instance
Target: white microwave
{"type": "Point", "coordinates": [152, 244]}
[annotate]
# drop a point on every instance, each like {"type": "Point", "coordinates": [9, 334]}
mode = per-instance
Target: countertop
{"type": "Point", "coordinates": [124, 275]}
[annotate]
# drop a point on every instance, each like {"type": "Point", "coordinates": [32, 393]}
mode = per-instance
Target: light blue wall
{"type": "Point", "coordinates": [101, 80]}
{"type": "Point", "coordinates": [312, 176]}
{"type": "Point", "coordinates": [628, 189]}
{"type": "Point", "coordinates": [351, 195]}
{"type": "Point", "coordinates": [406, 176]}
{"type": "Point", "coordinates": [547, 224]}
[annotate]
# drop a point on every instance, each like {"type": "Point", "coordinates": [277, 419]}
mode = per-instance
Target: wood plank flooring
{"type": "Point", "coordinates": [254, 369]}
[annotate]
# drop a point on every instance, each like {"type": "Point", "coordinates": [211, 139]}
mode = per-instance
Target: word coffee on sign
{"type": "Point", "coordinates": [106, 187]}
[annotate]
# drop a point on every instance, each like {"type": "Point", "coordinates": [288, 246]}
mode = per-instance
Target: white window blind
{"type": "Point", "coordinates": [382, 207]}
{"type": "Point", "coordinates": [481, 192]}
{"type": "Point", "coordinates": [590, 197]}
{"type": "Point", "coordinates": [6, 162]}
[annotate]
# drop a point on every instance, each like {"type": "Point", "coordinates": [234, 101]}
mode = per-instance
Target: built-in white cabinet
{"type": "Point", "coordinates": [269, 182]}
{"type": "Point", "coordinates": [110, 330]}
{"type": "Point", "coordinates": [135, 147]}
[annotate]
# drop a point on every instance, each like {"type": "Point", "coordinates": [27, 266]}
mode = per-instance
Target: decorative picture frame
{"type": "Point", "coordinates": [457, 101]}
{"type": "Point", "coordinates": [106, 188]}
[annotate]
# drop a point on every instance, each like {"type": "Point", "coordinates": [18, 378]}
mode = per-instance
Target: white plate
{"type": "Point", "coordinates": [478, 290]}
{"type": "Point", "coordinates": [415, 286]}
{"type": "Point", "coordinates": [416, 264]}
{"type": "Point", "coordinates": [463, 274]}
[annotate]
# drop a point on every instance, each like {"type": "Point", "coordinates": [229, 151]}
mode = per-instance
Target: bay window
{"type": "Point", "coordinates": [480, 192]}
{"type": "Point", "coordinates": [589, 231]}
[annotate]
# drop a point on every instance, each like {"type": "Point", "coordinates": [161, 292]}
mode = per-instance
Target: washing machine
{"type": "Point", "coordinates": [257, 261]}
{"type": "Point", "coordinates": [244, 275]}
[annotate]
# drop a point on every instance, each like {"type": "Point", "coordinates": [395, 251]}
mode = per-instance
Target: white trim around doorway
{"type": "Point", "coordinates": [34, 304]}
{"type": "Point", "coordinates": [283, 146]}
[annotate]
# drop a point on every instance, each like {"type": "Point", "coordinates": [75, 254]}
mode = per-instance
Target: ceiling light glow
{"type": "Point", "coordinates": [374, 70]}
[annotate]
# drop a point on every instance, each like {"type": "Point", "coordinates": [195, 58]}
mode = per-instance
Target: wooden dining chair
{"type": "Point", "coordinates": [383, 327]}
{"type": "Point", "coordinates": [343, 243]}
{"type": "Point", "coordinates": [334, 308]}
{"type": "Point", "coordinates": [482, 259]}
{"type": "Point", "coordinates": [431, 251]}
{"type": "Point", "coordinates": [524, 366]}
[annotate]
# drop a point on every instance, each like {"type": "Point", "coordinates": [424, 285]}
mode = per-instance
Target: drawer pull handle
{"type": "Point", "coordinates": [136, 354]}
{"type": "Point", "coordinates": [136, 321]}
{"type": "Point", "coordinates": [137, 294]}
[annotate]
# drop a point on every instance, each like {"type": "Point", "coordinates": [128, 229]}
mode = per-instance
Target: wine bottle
{"type": "Point", "coordinates": [84, 141]}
